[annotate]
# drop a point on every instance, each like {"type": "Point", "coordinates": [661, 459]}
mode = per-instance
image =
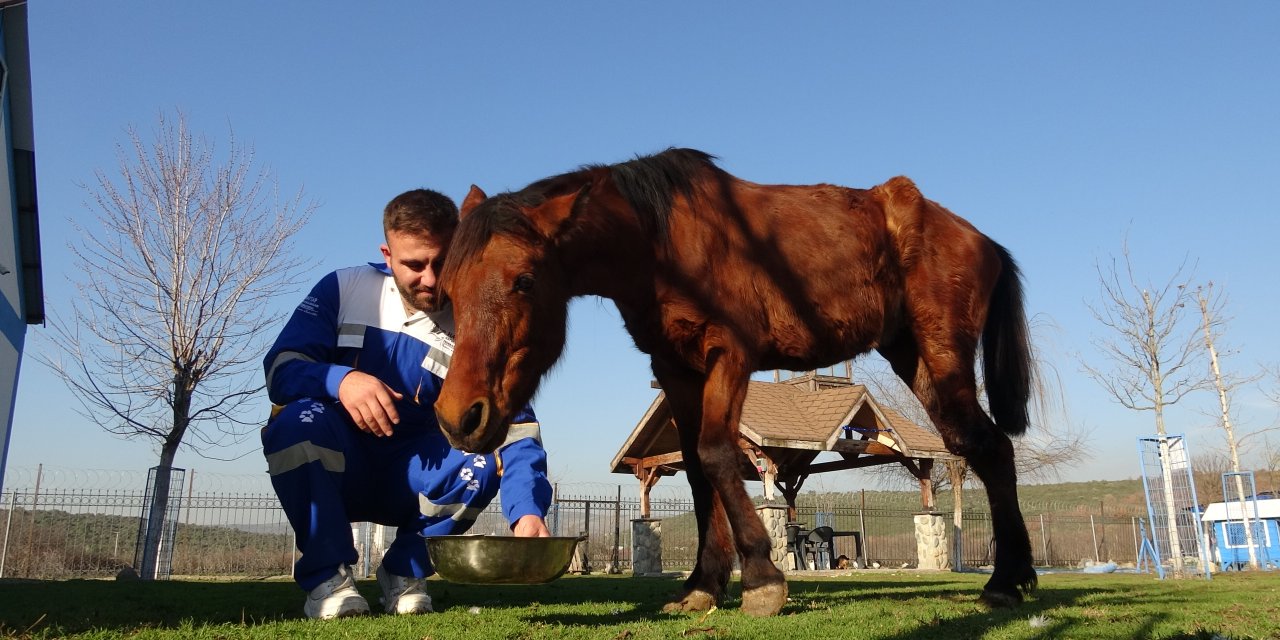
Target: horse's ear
{"type": "Point", "coordinates": [557, 212]}
{"type": "Point", "coordinates": [474, 197]}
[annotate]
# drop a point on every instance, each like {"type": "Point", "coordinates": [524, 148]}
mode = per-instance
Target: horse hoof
{"type": "Point", "coordinates": [691, 602]}
{"type": "Point", "coordinates": [1000, 599]}
{"type": "Point", "coordinates": [764, 601]}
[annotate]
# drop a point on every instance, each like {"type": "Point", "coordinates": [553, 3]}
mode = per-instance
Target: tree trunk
{"type": "Point", "coordinates": [157, 516]}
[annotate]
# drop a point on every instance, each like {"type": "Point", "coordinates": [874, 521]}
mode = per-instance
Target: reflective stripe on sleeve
{"type": "Point", "coordinates": [351, 335]}
{"type": "Point", "coordinates": [292, 457]}
{"type": "Point", "coordinates": [457, 511]}
{"type": "Point", "coordinates": [522, 431]}
{"type": "Point", "coordinates": [283, 357]}
{"type": "Point", "coordinates": [437, 362]}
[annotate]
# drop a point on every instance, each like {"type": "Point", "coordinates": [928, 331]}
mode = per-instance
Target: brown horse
{"type": "Point", "coordinates": [716, 278]}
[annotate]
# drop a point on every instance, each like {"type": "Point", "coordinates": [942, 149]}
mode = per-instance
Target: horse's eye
{"type": "Point", "coordinates": [524, 283]}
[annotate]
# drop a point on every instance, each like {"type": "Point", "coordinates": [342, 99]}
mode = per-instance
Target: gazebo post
{"type": "Point", "coordinates": [648, 477]}
{"type": "Point", "coordinates": [925, 476]}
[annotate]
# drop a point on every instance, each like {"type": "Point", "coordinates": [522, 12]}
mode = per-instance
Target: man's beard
{"type": "Point", "coordinates": [420, 300]}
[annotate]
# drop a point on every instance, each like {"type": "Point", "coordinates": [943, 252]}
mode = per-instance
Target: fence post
{"type": "Point", "coordinates": [614, 560]}
{"type": "Point", "coordinates": [1044, 542]}
{"type": "Point", "coordinates": [1094, 531]}
{"type": "Point", "coordinates": [862, 524]}
{"type": "Point", "coordinates": [8, 525]}
{"type": "Point", "coordinates": [1137, 548]}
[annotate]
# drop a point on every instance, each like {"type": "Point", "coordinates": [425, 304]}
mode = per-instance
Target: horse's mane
{"type": "Point", "coordinates": [649, 184]}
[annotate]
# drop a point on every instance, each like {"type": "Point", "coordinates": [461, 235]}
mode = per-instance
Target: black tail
{"type": "Point", "coordinates": [1006, 350]}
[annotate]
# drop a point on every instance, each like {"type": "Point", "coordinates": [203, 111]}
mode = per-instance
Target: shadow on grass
{"type": "Point", "coordinates": [920, 609]}
{"type": "Point", "coordinates": [910, 607]}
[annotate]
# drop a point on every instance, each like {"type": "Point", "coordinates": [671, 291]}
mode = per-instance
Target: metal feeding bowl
{"type": "Point", "coordinates": [483, 559]}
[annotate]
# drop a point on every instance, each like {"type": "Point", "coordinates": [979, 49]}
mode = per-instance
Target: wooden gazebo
{"type": "Point", "coordinates": [785, 426]}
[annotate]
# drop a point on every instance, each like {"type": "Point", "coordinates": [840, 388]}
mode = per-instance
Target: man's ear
{"type": "Point", "coordinates": [556, 214]}
{"type": "Point", "coordinates": [473, 199]}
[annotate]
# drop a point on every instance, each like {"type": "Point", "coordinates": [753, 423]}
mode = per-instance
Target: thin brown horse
{"type": "Point", "coordinates": [716, 278]}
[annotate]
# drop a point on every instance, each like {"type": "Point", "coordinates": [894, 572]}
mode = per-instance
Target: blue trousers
{"type": "Point", "coordinates": [328, 474]}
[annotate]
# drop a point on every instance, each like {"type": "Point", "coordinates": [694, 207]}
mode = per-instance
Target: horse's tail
{"type": "Point", "coordinates": [1006, 350]}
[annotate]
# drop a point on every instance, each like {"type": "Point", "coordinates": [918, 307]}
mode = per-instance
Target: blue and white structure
{"type": "Point", "coordinates": [1230, 544]}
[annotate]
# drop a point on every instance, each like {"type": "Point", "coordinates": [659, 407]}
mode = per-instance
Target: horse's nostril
{"type": "Point", "coordinates": [474, 417]}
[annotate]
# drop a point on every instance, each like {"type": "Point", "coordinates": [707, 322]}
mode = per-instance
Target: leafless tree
{"type": "Point", "coordinates": [163, 339]}
{"type": "Point", "coordinates": [1155, 356]}
{"type": "Point", "coordinates": [1052, 443]}
{"type": "Point", "coordinates": [1207, 469]}
{"type": "Point", "coordinates": [1213, 321]}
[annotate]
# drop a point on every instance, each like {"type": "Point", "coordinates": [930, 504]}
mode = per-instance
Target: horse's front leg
{"type": "Point", "coordinates": [764, 587]}
{"type": "Point", "coordinates": [709, 580]}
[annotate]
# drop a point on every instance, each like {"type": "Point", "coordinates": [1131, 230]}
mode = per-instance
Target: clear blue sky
{"type": "Point", "coordinates": [1055, 129]}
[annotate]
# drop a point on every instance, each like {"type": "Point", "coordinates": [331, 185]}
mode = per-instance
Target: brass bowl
{"type": "Point", "coordinates": [483, 559]}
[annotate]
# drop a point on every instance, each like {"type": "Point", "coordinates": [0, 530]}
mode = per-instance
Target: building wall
{"type": "Point", "coordinates": [20, 277]}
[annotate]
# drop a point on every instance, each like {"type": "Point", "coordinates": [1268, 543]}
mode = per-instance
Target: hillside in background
{"type": "Point", "coordinates": [1111, 497]}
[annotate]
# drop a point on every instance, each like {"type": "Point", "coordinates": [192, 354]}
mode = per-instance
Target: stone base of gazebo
{"type": "Point", "coordinates": [646, 546]}
{"type": "Point", "coordinates": [931, 541]}
{"type": "Point", "coordinates": [774, 518]}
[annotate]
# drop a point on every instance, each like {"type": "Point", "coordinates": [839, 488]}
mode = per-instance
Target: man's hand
{"type": "Point", "coordinates": [370, 403]}
{"type": "Point", "coordinates": [531, 526]}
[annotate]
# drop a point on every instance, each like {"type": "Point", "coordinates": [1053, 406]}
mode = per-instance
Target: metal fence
{"type": "Point", "coordinates": [77, 533]}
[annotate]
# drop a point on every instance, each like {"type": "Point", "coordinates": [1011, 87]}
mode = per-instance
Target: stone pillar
{"type": "Point", "coordinates": [774, 517]}
{"type": "Point", "coordinates": [646, 546]}
{"type": "Point", "coordinates": [931, 541]}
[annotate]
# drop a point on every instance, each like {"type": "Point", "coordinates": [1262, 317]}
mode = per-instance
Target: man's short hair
{"type": "Point", "coordinates": [420, 210]}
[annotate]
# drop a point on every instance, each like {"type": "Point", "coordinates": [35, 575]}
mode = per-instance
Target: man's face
{"type": "Point", "coordinates": [415, 259]}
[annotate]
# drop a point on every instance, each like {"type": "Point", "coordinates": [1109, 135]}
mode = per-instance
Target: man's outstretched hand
{"type": "Point", "coordinates": [370, 403]}
{"type": "Point", "coordinates": [531, 527]}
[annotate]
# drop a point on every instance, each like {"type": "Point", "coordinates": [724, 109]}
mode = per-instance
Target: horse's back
{"type": "Point", "coordinates": [809, 275]}
{"type": "Point", "coordinates": [804, 273]}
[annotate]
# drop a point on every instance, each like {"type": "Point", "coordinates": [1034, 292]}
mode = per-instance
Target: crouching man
{"type": "Point", "coordinates": [354, 375]}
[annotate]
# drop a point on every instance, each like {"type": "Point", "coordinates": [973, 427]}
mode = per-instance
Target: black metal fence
{"type": "Point", "coordinates": [71, 533]}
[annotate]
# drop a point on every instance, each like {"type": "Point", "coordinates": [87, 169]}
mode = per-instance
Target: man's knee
{"type": "Point", "coordinates": [304, 419]}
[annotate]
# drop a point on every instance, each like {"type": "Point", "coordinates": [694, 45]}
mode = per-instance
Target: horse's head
{"type": "Point", "coordinates": [510, 299]}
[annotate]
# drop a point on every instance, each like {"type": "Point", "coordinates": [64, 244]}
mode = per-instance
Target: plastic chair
{"type": "Point", "coordinates": [819, 545]}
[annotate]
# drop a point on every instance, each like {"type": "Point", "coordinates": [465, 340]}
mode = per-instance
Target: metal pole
{"type": "Point", "coordinates": [586, 557]}
{"type": "Point", "coordinates": [1094, 531]}
{"type": "Point", "coordinates": [862, 524]}
{"type": "Point", "coordinates": [1137, 550]}
{"type": "Point", "coordinates": [191, 483]}
{"type": "Point", "coordinates": [1044, 541]}
{"type": "Point", "coordinates": [8, 524]}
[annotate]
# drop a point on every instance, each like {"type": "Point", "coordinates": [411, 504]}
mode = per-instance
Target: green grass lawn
{"type": "Point", "coordinates": [872, 604]}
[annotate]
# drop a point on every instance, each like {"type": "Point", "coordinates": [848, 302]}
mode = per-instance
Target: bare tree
{"type": "Point", "coordinates": [1212, 305]}
{"type": "Point", "coordinates": [163, 339]}
{"type": "Point", "coordinates": [1207, 469]}
{"type": "Point", "coordinates": [1053, 442]}
{"type": "Point", "coordinates": [1154, 357]}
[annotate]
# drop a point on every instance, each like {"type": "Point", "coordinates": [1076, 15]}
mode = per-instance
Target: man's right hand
{"type": "Point", "coordinates": [370, 403]}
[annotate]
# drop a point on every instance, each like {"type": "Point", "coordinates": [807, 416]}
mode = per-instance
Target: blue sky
{"type": "Point", "coordinates": [1057, 130]}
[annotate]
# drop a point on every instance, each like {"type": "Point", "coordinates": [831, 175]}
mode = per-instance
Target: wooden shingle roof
{"type": "Point", "coordinates": [790, 416]}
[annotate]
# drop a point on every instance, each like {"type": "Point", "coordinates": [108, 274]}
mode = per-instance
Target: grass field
{"type": "Point", "coordinates": [895, 605]}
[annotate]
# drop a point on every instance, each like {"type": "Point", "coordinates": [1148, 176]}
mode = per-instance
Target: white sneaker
{"type": "Point", "coordinates": [403, 595]}
{"type": "Point", "coordinates": [336, 598]}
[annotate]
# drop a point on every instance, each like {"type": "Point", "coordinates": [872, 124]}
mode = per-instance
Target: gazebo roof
{"type": "Point", "coordinates": [792, 422]}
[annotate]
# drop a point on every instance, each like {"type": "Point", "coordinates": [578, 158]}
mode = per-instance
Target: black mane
{"type": "Point", "coordinates": [649, 184]}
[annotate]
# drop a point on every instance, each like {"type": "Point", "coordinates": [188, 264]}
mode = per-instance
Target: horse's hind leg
{"type": "Point", "coordinates": [944, 381]}
{"type": "Point", "coordinates": [707, 584]}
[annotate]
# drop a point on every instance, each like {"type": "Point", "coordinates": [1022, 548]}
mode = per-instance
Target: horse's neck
{"type": "Point", "coordinates": [608, 253]}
